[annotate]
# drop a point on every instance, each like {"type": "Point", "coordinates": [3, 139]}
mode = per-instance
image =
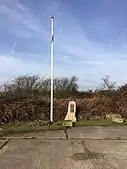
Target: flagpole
{"type": "Point", "coordinates": [52, 67]}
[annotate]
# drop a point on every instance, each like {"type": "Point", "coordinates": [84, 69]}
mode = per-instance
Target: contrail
{"type": "Point", "coordinates": [14, 45]}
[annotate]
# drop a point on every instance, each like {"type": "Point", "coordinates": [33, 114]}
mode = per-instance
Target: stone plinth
{"type": "Point", "coordinates": [71, 114]}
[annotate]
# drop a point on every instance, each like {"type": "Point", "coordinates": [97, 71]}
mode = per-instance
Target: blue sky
{"type": "Point", "coordinates": [90, 39]}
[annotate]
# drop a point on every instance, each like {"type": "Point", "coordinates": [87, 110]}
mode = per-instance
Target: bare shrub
{"type": "Point", "coordinates": [28, 98]}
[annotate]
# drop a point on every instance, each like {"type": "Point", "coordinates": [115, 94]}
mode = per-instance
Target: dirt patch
{"type": "Point", "coordinates": [80, 156]}
{"type": "Point", "coordinates": [87, 155]}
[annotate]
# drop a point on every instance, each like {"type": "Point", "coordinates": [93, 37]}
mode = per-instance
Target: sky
{"type": "Point", "coordinates": [90, 39]}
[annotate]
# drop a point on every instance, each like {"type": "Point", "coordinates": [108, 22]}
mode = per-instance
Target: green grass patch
{"type": "Point", "coordinates": [28, 126]}
{"type": "Point", "coordinates": [102, 122]}
{"type": "Point", "coordinates": [36, 126]}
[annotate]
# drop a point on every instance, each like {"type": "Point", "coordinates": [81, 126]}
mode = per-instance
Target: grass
{"type": "Point", "coordinates": [102, 122]}
{"type": "Point", "coordinates": [36, 126]}
{"type": "Point", "coordinates": [24, 127]}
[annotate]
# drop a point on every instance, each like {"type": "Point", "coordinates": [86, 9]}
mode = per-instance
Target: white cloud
{"type": "Point", "coordinates": [12, 67]}
{"type": "Point", "coordinates": [20, 19]}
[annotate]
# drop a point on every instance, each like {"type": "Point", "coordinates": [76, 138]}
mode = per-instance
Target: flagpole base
{"type": "Point", "coordinates": [50, 123]}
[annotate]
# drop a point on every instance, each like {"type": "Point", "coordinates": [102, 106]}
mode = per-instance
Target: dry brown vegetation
{"type": "Point", "coordinates": [27, 98]}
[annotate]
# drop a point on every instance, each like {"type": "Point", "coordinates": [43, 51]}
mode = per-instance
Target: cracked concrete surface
{"type": "Point", "coordinates": [82, 150]}
{"type": "Point", "coordinates": [96, 132]}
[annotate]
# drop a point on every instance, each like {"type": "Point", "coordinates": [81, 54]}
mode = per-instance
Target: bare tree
{"type": "Point", "coordinates": [107, 84]}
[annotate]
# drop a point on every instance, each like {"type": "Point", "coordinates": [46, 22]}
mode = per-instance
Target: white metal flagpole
{"type": "Point", "coordinates": [52, 67]}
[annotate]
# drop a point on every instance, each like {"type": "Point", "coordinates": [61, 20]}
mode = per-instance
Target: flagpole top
{"type": "Point", "coordinates": [52, 17]}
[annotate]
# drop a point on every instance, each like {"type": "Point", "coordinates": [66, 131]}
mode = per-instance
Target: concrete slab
{"type": "Point", "coordinates": [119, 132]}
{"type": "Point", "coordinates": [64, 154]}
{"type": "Point", "coordinates": [96, 132]}
{"type": "Point", "coordinates": [14, 136]}
{"type": "Point", "coordinates": [108, 153]}
{"type": "Point", "coordinates": [86, 133]}
{"type": "Point", "coordinates": [59, 134]}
